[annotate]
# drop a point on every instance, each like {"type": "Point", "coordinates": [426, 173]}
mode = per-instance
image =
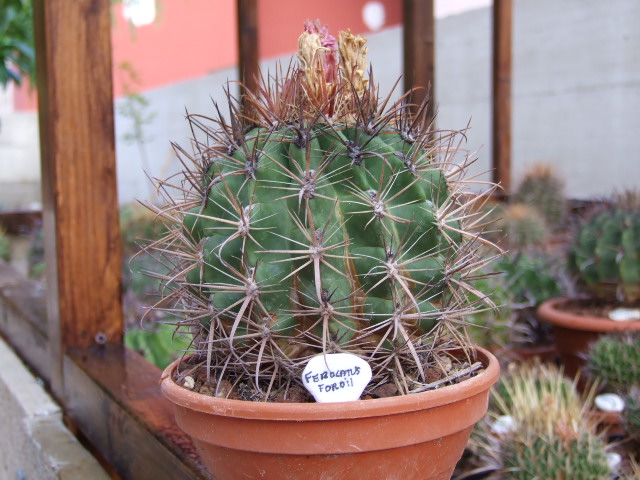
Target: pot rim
{"type": "Point", "coordinates": [550, 313]}
{"type": "Point", "coordinates": [326, 411]}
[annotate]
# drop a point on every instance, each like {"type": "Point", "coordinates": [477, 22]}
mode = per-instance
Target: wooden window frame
{"type": "Point", "coordinates": [110, 395]}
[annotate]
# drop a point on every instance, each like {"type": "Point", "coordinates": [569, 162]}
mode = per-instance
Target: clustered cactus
{"type": "Point", "coordinates": [320, 218]}
{"type": "Point", "coordinates": [605, 254]}
{"type": "Point", "coordinates": [549, 434]}
{"type": "Point", "coordinates": [615, 360]}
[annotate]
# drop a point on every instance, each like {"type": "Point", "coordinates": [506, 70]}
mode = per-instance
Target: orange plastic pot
{"type": "Point", "coordinates": [573, 333]}
{"type": "Point", "coordinates": [418, 436]}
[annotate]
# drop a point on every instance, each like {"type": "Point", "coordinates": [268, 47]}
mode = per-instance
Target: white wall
{"type": "Point", "coordinates": [576, 89]}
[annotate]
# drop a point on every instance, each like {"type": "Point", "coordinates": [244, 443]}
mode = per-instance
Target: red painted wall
{"type": "Point", "coordinates": [191, 38]}
{"type": "Point", "coordinates": [281, 21]}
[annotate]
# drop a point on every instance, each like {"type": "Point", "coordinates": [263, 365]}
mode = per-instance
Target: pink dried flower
{"type": "Point", "coordinates": [329, 43]}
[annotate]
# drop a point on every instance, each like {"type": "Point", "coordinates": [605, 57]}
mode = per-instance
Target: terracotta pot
{"type": "Point", "coordinates": [545, 353]}
{"type": "Point", "coordinates": [417, 436]}
{"type": "Point", "coordinates": [574, 333]}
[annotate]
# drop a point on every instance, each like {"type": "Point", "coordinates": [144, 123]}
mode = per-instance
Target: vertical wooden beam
{"type": "Point", "coordinates": [249, 58]}
{"type": "Point", "coordinates": [501, 102]}
{"type": "Point", "coordinates": [80, 211]}
{"type": "Point", "coordinates": [419, 50]}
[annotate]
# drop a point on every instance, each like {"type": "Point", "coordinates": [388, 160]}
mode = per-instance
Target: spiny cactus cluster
{"type": "Point", "coordinates": [543, 190]}
{"type": "Point", "coordinates": [320, 218]}
{"type": "Point", "coordinates": [605, 253]}
{"type": "Point", "coordinates": [549, 435]}
{"type": "Point", "coordinates": [554, 458]}
{"type": "Point", "coordinates": [615, 360]}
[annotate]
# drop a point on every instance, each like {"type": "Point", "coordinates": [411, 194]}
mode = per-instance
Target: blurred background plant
{"type": "Point", "coordinates": [542, 189]}
{"type": "Point", "coordinates": [17, 56]}
{"type": "Point", "coordinates": [533, 269]}
{"type": "Point", "coordinates": [604, 254]}
{"type": "Point", "coordinates": [631, 417]}
{"type": "Point", "coordinates": [5, 246]}
{"type": "Point", "coordinates": [538, 427]}
{"type": "Point", "coordinates": [147, 330]}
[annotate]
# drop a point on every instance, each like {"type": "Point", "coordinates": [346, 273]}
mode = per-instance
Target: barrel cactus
{"type": "Point", "coordinates": [321, 218]}
{"type": "Point", "coordinates": [615, 360]}
{"type": "Point", "coordinates": [605, 253]}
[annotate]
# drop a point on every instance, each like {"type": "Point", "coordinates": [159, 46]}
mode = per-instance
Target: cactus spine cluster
{"type": "Point", "coordinates": [320, 218]}
{"type": "Point", "coordinates": [554, 458]}
{"type": "Point", "coordinates": [605, 253]}
{"type": "Point", "coordinates": [615, 360]}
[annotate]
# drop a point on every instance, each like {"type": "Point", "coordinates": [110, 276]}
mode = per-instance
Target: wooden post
{"type": "Point", "coordinates": [80, 208]}
{"type": "Point", "coordinates": [419, 51]}
{"type": "Point", "coordinates": [249, 58]}
{"type": "Point", "coordinates": [501, 81]}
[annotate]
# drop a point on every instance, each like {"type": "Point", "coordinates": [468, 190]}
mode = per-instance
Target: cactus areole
{"type": "Point", "coordinates": [321, 218]}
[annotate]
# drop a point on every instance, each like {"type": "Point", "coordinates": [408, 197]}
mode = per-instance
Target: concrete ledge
{"type": "Point", "coordinates": [34, 443]}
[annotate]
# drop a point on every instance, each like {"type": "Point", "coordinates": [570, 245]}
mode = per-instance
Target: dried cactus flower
{"type": "Point", "coordinates": [321, 219]}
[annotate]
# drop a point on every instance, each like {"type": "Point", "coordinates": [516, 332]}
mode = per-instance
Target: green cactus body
{"type": "Point", "coordinates": [5, 246]}
{"type": "Point", "coordinates": [327, 226]}
{"type": "Point", "coordinates": [605, 254]}
{"type": "Point", "coordinates": [616, 360]}
{"type": "Point", "coordinates": [557, 459]}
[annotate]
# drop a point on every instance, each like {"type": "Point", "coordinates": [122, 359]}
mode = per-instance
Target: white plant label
{"type": "Point", "coordinates": [609, 402]}
{"type": "Point", "coordinates": [625, 314]}
{"type": "Point", "coordinates": [336, 377]}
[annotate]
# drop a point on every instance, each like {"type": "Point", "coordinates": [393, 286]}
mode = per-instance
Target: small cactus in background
{"type": "Point", "coordinates": [522, 226]}
{"type": "Point", "coordinates": [321, 219]}
{"type": "Point", "coordinates": [539, 428]}
{"type": "Point", "coordinates": [615, 360]}
{"type": "Point", "coordinates": [543, 190]}
{"type": "Point", "coordinates": [575, 458]}
{"type": "Point", "coordinates": [605, 253]}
